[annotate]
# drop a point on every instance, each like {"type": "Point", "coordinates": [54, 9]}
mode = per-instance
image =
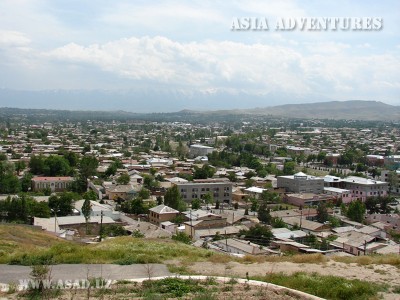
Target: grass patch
{"type": "Point", "coordinates": [32, 247]}
{"type": "Point", "coordinates": [174, 287]}
{"type": "Point", "coordinates": [329, 287]}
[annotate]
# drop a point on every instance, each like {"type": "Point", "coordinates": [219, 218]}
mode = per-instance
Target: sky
{"type": "Point", "coordinates": [190, 47]}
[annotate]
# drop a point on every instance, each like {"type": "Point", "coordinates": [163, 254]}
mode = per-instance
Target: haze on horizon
{"type": "Point", "coordinates": [171, 55]}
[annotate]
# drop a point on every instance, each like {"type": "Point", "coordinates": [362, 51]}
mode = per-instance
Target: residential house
{"type": "Point", "coordinates": [162, 213]}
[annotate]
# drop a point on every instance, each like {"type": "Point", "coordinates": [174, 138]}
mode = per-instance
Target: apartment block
{"type": "Point", "coordinates": [301, 183]}
{"type": "Point", "coordinates": [221, 191]}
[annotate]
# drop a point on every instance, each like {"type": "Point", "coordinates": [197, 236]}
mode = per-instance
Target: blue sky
{"type": "Point", "coordinates": [189, 46]}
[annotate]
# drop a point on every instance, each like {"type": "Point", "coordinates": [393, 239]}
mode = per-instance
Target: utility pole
{"type": "Point", "coordinates": [101, 225]}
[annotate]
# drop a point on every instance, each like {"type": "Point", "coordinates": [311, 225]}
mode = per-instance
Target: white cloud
{"type": "Point", "coordinates": [10, 38]}
{"type": "Point", "coordinates": [326, 69]}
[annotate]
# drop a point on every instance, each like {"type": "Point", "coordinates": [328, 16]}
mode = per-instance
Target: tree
{"type": "Point", "coordinates": [289, 167]}
{"type": "Point", "coordinates": [88, 166]}
{"type": "Point", "coordinates": [55, 165]}
{"type": "Point", "coordinates": [356, 211]}
{"type": "Point", "coordinates": [196, 203]}
{"type": "Point", "coordinates": [264, 214]}
{"type": "Point", "coordinates": [173, 199]}
{"type": "Point", "coordinates": [36, 164]}
{"type": "Point", "coordinates": [26, 182]}
{"type": "Point", "coordinates": [204, 172]}
{"type": "Point", "coordinates": [393, 180]}
{"type": "Point", "coordinates": [123, 179]}
{"type": "Point", "coordinates": [208, 199]}
{"type": "Point", "coordinates": [86, 211]}
{"type": "Point", "coordinates": [144, 194]}
{"type": "Point", "coordinates": [19, 166]}
{"type": "Point", "coordinates": [259, 234]}
{"type": "Point", "coordinates": [322, 213]}
{"type": "Point", "coordinates": [270, 197]}
{"type": "Point", "coordinates": [62, 204]}
{"type": "Point", "coordinates": [90, 195]}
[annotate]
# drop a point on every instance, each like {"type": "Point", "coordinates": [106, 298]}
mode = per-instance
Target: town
{"type": "Point", "coordinates": [252, 186]}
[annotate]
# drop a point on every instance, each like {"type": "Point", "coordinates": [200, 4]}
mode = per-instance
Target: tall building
{"type": "Point", "coordinates": [301, 183]}
{"type": "Point", "coordinates": [220, 190]}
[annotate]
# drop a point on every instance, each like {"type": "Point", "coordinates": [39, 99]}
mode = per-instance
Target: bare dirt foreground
{"type": "Point", "coordinates": [376, 273]}
{"type": "Point", "coordinates": [385, 274]}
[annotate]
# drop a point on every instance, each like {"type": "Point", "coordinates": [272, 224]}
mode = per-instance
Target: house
{"type": "Point", "coordinates": [162, 213]}
{"type": "Point", "coordinates": [353, 242]}
{"type": "Point", "coordinates": [284, 234]}
{"type": "Point", "coordinates": [97, 209]}
{"type": "Point", "coordinates": [55, 184]}
{"type": "Point", "coordinates": [254, 191]}
{"type": "Point", "coordinates": [305, 225]}
{"type": "Point", "coordinates": [123, 191]}
{"type": "Point", "coordinates": [307, 199]}
{"type": "Point", "coordinates": [237, 246]}
{"type": "Point", "coordinates": [78, 223]}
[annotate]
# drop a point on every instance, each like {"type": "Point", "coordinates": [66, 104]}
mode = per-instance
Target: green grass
{"type": "Point", "coordinates": [329, 287]}
{"type": "Point", "coordinates": [26, 246]}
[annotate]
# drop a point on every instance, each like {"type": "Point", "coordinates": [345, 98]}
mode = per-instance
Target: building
{"type": "Point", "coordinates": [375, 160]}
{"type": "Point", "coordinates": [392, 162]}
{"type": "Point", "coordinates": [237, 246]}
{"type": "Point", "coordinates": [337, 193]}
{"type": "Point", "coordinates": [301, 183]}
{"type": "Point", "coordinates": [162, 213]}
{"type": "Point", "coordinates": [307, 199]}
{"type": "Point", "coordinates": [121, 192]}
{"type": "Point", "coordinates": [55, 184]}
{"type": "Point", "coordinates": [200, 150]}
{"type": "Point", "coordinates": [220, 190]}
{"type": "Point", "coordinates": [361, 188]}
{"type": "Point", "coordinates": [385, 176]}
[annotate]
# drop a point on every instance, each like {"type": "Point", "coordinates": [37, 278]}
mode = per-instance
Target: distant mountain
{"type": "Point", "coordinates": [146, 99]}
{"type": "Point", "coordinates": [338, 110]}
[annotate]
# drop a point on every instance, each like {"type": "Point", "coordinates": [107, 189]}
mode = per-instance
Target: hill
{"type": "Point", "coordinates": [338, 110]}
{"type": "Point", "coordinates": [334, 110]}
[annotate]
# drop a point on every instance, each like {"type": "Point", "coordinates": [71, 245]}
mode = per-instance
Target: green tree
{"type": "Point", "coordinates": [356, 211]}
{"type": "Point", "coordinates": [123, 179]}
{"type": "Point", "coordinates": [19, 166]}
{"type": "Point", "coordinates": [289, 167]}
{"type": "Point", "coordinates": [173, 199]}
{"type": "Point", "coordinates": [36, 164]}
{"type": "Point", "coordinates": [322, 213]}
{"type": "Point", "coordinates": [196, 203]}
{"type": "Point", "coordinates": [264, 214]}
{"type": "Point", "coordinates": [26, 181]}
{"type": "Point", "coordinates": [86, 211]}
{"type": "Point", "coordinates": [88, 166]}
{"type": "Point", "coordinates": [259, 234]}
{"type": "Point", "coordinates": [204, 172]}
{"type": "Point", "coordinates": [62, 204]}
{"type": "Point", "coordinates": [90, 195]}
{"type": "Point", "coordinates": [208, 199]}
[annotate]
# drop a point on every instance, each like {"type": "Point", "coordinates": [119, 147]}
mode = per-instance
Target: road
{"type": "Point", "coordinates": [13, 274]}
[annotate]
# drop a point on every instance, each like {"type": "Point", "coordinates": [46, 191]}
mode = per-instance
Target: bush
{"type": "Point", "coordinates": [182, 237]}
